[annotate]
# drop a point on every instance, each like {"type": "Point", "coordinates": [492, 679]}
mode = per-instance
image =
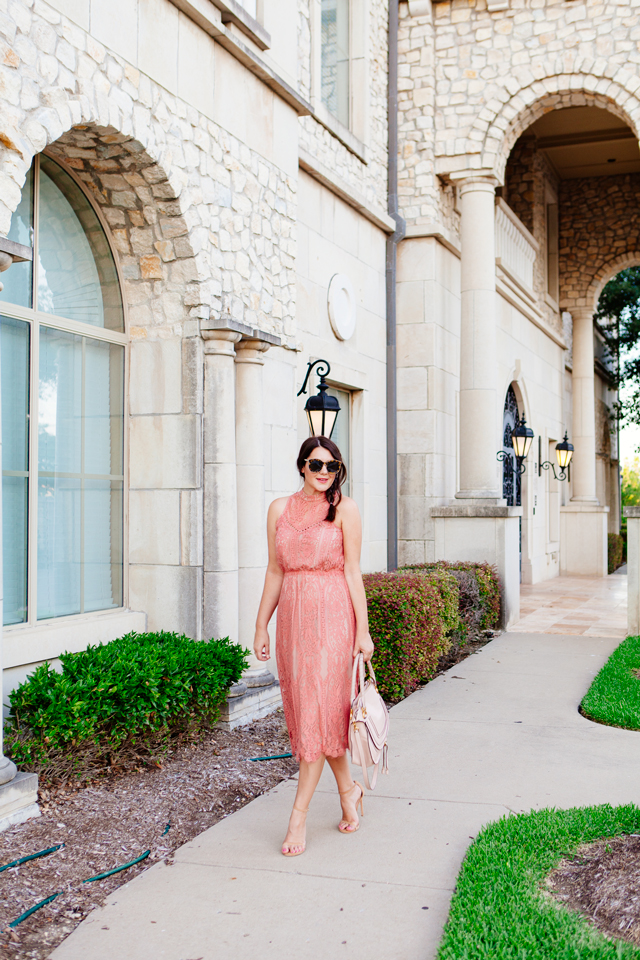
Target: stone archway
{"type": "Point", "coordinates": [513, 109]}
{"type": "Point", "coordinates": [148, 229]}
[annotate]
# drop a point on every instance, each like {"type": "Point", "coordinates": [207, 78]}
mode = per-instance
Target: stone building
{"type": "Point", "coordinates": [197, 199]}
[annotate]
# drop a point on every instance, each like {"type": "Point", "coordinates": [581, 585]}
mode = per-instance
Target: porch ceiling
{"type": "Point", "coordinates": [586, 142]}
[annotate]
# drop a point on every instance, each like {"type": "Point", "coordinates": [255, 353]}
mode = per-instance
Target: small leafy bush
{"type": "Point", "coordinates": [614, 696]}
{"type": "Point", "coordinates": [410, 617]}
{"type": "Point", "coordinates": [615, 550]}
{"type": "Point", "coordinates": [479, 588]}
{"type": "Point", "coordinates": [131, 687]}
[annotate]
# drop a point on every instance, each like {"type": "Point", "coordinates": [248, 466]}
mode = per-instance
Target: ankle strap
{"type": "Point", "coordinates": [342, 792]}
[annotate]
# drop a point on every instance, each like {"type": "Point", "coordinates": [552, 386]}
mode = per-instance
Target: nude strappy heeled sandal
{"type": "Point", "coordinates": [297, 853]}
{"type": "Point", "coordinates": [359, 803]}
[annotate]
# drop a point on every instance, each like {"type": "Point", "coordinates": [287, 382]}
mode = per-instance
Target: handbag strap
{"type": "Point", "coordinates": [365, 771]}
{"type": "Point", "coordinates": [358, 674]}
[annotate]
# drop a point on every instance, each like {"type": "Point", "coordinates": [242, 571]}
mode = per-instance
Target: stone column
{"type": "Point", "coordinates": [583, 465]}
{"type": "Point", "coordinates": [478, 526]}
{"type": "Point", "coordinates": [220, 617]}
{"type": "Point", "coordinates": [479, 407]}
{"type": "Point", "coordinates": [252, 537]}
{"type": "Point", "coordinates": [584, 520]}
{"type": "Point", "coordinates": [633, 570]}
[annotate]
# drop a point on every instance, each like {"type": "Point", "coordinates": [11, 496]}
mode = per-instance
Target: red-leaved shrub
{"type": "Point", "coordinates": [410, 619]}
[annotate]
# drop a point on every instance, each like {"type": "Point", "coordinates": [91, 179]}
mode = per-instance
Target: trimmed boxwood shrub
{"type": "Point", "coordinates": [410, 619]}
{"type": "Point", "coordinates": [615, 549]}
{"type": "Point", "coordinates": [479, 587]}
{"type": "Point", "coordinates": [132, 687]}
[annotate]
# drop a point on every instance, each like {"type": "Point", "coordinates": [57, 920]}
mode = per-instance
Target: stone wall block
{"type": "Point", "coordinates": [165, 452]}
{"type": "Point", "coordinates": [171, 596]}
{"type": "Point", "coordinates": [156, 377]}
{"type": "Point", "coordinates": [154, 526]}
{"type": "Point", "coordinates": [191, 527]}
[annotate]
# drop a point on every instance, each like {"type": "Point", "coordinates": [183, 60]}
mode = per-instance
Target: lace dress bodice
{"type": "Point", "coordinates": [315, 630]}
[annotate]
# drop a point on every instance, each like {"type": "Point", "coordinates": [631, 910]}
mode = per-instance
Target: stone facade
{"type": "Point", "coordinates": [599, 234]}
{"type": "Point", "coordinates": [187, 140]}
{"type": "Point", "coordinates": [231, 198]}
{"type": "Point", "coordinates": [473, 81]}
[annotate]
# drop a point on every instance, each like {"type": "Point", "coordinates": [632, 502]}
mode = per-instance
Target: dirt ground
{"type": "Point", "coordinates": [603, 884]}
{"type": "Point", "coordinates": [114, 821]}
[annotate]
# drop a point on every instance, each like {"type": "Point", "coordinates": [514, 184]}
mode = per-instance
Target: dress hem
{"type": "Point", "coordinates": [321, 753]}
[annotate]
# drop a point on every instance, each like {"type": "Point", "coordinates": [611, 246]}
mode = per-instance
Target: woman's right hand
{"type": "Point", "coordinates": [262, 644]}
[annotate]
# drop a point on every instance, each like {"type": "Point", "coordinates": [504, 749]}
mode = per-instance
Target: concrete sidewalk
{"type": "Point", "coordinates": [499, 732]}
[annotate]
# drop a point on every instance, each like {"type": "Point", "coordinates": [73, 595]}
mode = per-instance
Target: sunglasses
{"type": "Point", "coordinates": [316, 465]}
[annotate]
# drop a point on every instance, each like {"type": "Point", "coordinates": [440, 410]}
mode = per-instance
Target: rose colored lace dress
{"type": "Point", "coordinates": [316, 629]}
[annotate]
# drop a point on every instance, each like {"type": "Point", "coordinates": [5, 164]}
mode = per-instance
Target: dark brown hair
{"type": "Point", "coordinates": [334, 493]}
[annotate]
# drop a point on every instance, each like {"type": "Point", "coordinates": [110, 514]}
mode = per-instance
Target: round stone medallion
{"type": "Point", "coordinates": [341, 303]}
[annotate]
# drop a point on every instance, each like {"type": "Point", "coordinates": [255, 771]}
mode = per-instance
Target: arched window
{"type": "Point", "coordinates": [511, 481]}
{"type": "Point", "coordinates": [62, 377]}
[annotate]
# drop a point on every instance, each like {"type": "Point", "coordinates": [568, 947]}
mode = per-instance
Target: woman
{"type": "Point", "coordinates": [314, 579]}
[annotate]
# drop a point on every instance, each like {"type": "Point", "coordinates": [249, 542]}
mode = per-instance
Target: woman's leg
{"type": "Point", "coordinates": [308, 778]}
{"type": "Point", "coordinates": [350, 793]}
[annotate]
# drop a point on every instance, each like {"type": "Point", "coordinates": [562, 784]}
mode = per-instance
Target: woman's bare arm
{"type": "Point", "coordinates": [349, 516]}
{"type": "Point", "coordinates": [272, 585]}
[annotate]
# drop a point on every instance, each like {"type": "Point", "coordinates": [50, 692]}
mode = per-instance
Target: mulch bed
{"type": "Point", "coordinates": [117, 818]}
{"type": "Point", "coordinates": [602, 882]}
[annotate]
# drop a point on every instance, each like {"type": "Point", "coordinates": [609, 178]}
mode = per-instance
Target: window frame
{"type": "Point", "coordinates": [348, 414]}
{"type": "Point", "coordinates": [36, 319]}
{"type": "Point", "coordinates": [354, 136]}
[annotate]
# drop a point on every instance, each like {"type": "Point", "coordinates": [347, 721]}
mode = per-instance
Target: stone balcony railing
{"type": "Point", "coordinates": [516, 250]}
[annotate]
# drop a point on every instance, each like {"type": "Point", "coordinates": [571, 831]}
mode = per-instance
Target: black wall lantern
{"type": "Point", "coordinates": [564, 452]}
{"type": "Point", "coordinates": [521, 438]}
{"type": "Point", "coordinates": [322, 410]}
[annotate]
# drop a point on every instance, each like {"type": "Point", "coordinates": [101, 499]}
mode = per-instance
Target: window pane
{"type": "Point", "coordinates": [76, 273]}
{"type": "Point", "coordinates": [341, 431]}
{"type": "Point", "coordinates": [60, 402]}
{"type": "Point", "coordinates": [14, 350]}
{"type": "Point", "coordinates": [59, 539]}
{"type": "Point", "coordinates": [17, 279]}
{"type": "Point", "coordinates": [102, 544]}
{"type": "Point", "coordinates": [335, 58]}
{"type": "Point", "coordinates": [104, 397]}
{"type": "Point", "coordinates": [80, 483]}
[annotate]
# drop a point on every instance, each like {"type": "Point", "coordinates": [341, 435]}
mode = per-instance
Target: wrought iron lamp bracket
{"type": "Point", "coordinates": [312, 364]}
{"type": "Point", "coordinates": [548, 463]}
{"type": "Point", "coordinates": [519, 468]}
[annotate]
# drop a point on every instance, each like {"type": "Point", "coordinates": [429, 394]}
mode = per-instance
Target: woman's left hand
{"type": "Point", "coordinates": [364, 645]}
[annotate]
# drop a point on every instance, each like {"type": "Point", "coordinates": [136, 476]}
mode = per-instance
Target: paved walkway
{"type": "Point", "coordinates": [499, 732]}
{"type": "Point", "coordinates": [580, 606]}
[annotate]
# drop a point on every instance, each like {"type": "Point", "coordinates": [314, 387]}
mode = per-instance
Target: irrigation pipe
{"type": "Point", "coordinates": [277, 756]}
{"type": "Point", "coordinates": [125, 866]}
{"type": "Point", "coordinates": [99, 876]}
{"type": "Point", "coordinates": [27, 913]}
{"type": "Point", "coordinates": [32, 856]}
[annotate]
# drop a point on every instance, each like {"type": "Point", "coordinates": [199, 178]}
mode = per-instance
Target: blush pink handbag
{"type": "Point", "coordinates": [368, 723]}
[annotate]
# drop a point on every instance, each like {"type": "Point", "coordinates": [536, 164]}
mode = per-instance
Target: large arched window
{"type": "Point", "coordinates": [62, 350]}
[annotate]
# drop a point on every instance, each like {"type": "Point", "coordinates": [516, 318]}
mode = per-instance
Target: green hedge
{"type": "Point", "coordinates": [614, 696]}
{"type": "Point", "coordinates": [615, 551]}
{"type": "Point", "coordinates": [479, 587]}
{"type": "Point", "coordinates": [499, 910]}
{"type": "Point", "coordinates": [410, 620]}
{"type": "Point", "coordinates": [136, 685]}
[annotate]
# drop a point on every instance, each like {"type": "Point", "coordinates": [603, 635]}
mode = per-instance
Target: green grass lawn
{"type": "Point", "coordinates": [614, 696]}
{"type": "Point", "coordinates": [498, 911]}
